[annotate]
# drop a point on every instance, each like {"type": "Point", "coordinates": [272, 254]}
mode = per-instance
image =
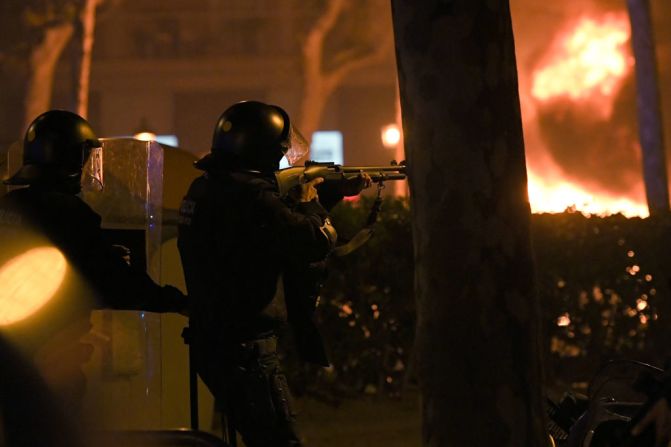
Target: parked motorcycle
{"type": "Point", "coordinates": [618, 396]}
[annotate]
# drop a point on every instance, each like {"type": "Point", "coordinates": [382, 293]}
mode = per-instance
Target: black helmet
{"type": "Point", "coordinates": [55, 148]}
{"type": "Point", "coordinates": [254, 135]}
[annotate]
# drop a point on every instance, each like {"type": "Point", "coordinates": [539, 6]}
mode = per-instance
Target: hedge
{"type": "Point", "coordinates": [602, 283]}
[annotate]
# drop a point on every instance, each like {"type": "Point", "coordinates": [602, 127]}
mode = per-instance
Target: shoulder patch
{"type": "Point", "coordinates": [186, 211]}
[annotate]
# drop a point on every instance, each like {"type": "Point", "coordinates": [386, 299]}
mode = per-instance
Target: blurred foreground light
{"type": "Point", "coordinates": [391, 135]}
{"type": "Point", "coordinates": [29, 281]}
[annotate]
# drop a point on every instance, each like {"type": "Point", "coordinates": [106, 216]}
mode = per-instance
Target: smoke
{"type": "Point", "coordinates": [602, 154]}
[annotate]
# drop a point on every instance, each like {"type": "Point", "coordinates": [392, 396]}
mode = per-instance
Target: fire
{"type": "Point", "coordinates": [590, 59]}
{"type": "Point", "coordinates": [558, 196]}
{"type": "Point", "coordinates": [586, 64]}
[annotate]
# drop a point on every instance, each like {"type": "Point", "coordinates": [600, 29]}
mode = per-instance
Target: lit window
{"type": "Point", "coordinates": [170, 140]}
{"type": "Point", "coordinates": [327, 146]}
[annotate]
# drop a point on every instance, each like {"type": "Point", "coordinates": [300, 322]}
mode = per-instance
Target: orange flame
{"type": "Point", "coordinates": [558, 196]}
{"type": "Point", "coordinates": [586, 64]}
{"type": "Point", "coordinates": [591, 59]}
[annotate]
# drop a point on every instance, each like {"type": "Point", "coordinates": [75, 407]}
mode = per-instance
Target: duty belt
{"type": "Point", "coordinates": [260, 346]}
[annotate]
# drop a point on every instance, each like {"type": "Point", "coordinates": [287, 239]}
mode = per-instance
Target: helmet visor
{"type": "Point", "coordinates": [296, 146]}
{"type": "Point", "coordinates": [92, 173]}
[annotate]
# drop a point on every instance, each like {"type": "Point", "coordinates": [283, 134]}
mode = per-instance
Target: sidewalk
{"type": "Point", "coordinates": [365, 422]}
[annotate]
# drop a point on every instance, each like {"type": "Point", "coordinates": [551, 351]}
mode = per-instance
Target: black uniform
{"type": "Point", "coordinates": [97, 277]}
{"type": "Point", "coordinates": [250, 259]}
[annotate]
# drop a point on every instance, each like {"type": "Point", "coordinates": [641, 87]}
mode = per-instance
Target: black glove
{"type": "Point", "coordinates": [354, 185]}
{"type": "Point", "coordinates": [175, 300]}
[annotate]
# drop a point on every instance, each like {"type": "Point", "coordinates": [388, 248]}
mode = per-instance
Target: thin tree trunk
{"type": "Point", "coordinates": [649, 111]}
{"type": "Point", "coordinates": [316, 91]}
{"type": "Point", "coordinates": [321, 83]}
{"type": "Point", "coordinates": [88, 24]}
{"type": "Point", "coordinates": [42, 65]}
{"type": "Point", "coordinates": [312, 107]}
{"type": "Point", "coordinates": [478, 337]}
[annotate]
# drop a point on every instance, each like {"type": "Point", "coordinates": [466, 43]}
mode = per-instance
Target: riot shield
{"type": "Point", "coordinates": [124, 390]}
{"type": "Point", "coordinates": [11, 162]}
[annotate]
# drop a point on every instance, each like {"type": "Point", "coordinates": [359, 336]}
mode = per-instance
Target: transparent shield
{"type": "Point", "coordinates": [92, 173]}
{"type": "Point", "coordinates": [14, 161]}
{"type": "Point", "coordinates": [298, 146]}
{"type": "Point", "coordinates": [125, 383]}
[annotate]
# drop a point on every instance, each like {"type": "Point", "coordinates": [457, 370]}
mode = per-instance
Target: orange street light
{"type": "Point", "coordinates": [391, 136]}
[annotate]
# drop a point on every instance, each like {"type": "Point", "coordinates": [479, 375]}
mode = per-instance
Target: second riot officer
{"type": "Point", "coordinates": [61, 267]}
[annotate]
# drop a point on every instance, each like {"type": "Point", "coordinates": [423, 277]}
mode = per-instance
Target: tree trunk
{"type": "Point", "coordinates": [478, 337]}
{"type": "Point", "coordinates": [313, 103]}
{"type": "Point", "coordinates": [87, 19]}
{"type": "Point", "coordinates": [42, 65]}
{"type": "Point", "coordinates": [649, 112]}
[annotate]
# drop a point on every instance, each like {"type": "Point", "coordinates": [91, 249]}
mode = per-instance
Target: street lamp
{"type": "Point", "coordinates": [391, 136]}
{"type": "Point", "coordinates": [143, 132]}
{"type": "Point", "coordinates": [392, 139]}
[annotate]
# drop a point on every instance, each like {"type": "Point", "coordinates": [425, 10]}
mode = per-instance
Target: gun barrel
{"type": "Point", "coordinates": [391, 168]}
{"type": "Point", "coordinates": [378, 176]}
{"type": "Point", "coordinates": [383, 176]}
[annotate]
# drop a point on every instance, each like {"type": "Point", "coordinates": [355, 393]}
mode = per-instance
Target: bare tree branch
{"type": "Point", "coordinates": [320, 82]}
{"type": "Point", "coordinates": [87, 17]}
{"type": "Point", "coordinates": [42, 62]}
{"type": "Point", "coordinates": [314, 43]}
{"type": "Point", "coordinates": [356, 62]}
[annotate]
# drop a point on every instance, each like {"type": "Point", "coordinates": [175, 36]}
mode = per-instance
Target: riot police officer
{"type": "Point", "coordinates": [249, 256]}
{"type": "Point", "coordinates": [48, 214]}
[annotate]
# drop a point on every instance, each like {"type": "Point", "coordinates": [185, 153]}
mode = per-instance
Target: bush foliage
{"type": "Point", "coordinates": [602, 283]}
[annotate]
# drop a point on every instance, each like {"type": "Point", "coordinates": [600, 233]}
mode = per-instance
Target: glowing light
{"type": "Point", "coordinates": [145, 136]}
{"type": "Point", "coordinates": [391, 136]}
{"type": "Point", "coordinates": [591, 58]}
{"type": "Point", "coordinates": [597, 294]}
{"type": "Point", "coordinates": [547, 196]}
{"type": "Point", "coordinates": [563, 320]}
{"type": "Point", "coordinates": [29, 281]}
{"type": "Point", "coordinates": [641, 304]}
{"type": "Point", "coordinates": [633, 270]}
